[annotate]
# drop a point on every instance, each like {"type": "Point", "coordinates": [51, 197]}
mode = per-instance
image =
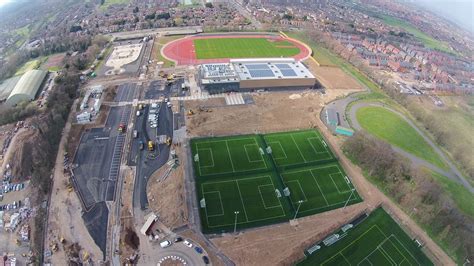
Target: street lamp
{"type": "Point", "coordinates": [297, 209]}
{"type": "Point", "coordinates": [235, 223]}
{"type": "Point", "coordinates": [352, 191]}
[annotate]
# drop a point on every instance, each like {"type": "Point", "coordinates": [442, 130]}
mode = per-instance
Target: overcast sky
{"type": "Point", "coordinates": [3, 2]}
{"type": "Point", "coordinates": [459, 11]}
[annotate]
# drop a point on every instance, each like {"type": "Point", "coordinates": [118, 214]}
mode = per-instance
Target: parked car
{"type": "Point", "coordinates": [178, 239]}
{"type": "Point", "coordinates": [165, 244]}
{"type": "Point", "coordinates": [198, 250]}
{"type": "Point", "coordinates": [205, 259]}
{"type": "Point", "coordinates": [188, 244]}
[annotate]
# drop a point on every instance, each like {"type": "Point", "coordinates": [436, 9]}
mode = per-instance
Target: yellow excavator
{"type": "Point", "coordinates": [190, 112]}
{"type": "Point", "coordinates": [69, 187]}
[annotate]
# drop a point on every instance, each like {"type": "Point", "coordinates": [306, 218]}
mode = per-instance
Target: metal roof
{"type": "Point", "coordinates": [270, 68]}
{"type": "Point", "coordinates": [254, 69]}
{"type": "Point", "coordinates": [27, 87]}
{"type": "Point", "coordinates": [7, 86]}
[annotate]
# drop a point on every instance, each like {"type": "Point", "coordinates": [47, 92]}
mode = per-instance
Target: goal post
{"type": "Point", "coordinates": [269, 150]}
{"type": "Point", "coordinates": [286, 191]}
{"type": "Point", "coordinates": [196, 157]}
{"type": "Point", "coordinates": [202, 203]}
{"type": "Point", "coordinates": [277, 192]}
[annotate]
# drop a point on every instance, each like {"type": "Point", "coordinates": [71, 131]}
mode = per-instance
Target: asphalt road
{"type": "Point", "coordinates": [98, 163]}
{"type": "Point", "coordinates": [146, 165]}
{"type": "Point", "coordinates": [453, 172]}
{"type": "Point", "coordinates": [341, 106]}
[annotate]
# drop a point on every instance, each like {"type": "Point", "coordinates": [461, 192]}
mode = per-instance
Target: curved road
{"type": "Point", "coordinates": [453, 172]}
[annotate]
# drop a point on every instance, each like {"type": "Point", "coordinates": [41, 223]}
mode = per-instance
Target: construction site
{"type": "Point", "coordinates": [124, 189]}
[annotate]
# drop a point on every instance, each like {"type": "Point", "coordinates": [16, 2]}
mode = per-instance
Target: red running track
{"type": "Point", "coordinates": [182, 51]}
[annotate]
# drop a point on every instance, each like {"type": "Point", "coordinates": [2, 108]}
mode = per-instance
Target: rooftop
{"type": "Point", "coordinates": [254, 69]}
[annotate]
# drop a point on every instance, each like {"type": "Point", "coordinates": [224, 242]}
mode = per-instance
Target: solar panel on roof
{"type": "Point", "coordinates": [283, 66]}
{"type": "Point", "coordinates": [260, 73]}
{"type": "Point", "coordinates": [288, 72]}
{"type": "Point", "coordinates": [257, 66]}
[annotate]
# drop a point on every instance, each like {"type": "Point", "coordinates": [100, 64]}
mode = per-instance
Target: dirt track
{"type": "Point", "coordinates": [65, 212]}
{"type": "Point", "coordinates": [373, 197]}
{"type": "Point", "coordinates": [275, 245]}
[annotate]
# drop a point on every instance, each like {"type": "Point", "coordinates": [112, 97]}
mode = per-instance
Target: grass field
{"type": "Point", "coordinates": [243, 48]}
{"type": "Point", "coordinates": [108, 3]}
{"type": "Point", "coordinates": [393, 129]}
{"type": "Point", "coordinates": [377, 240]}
{"type": "Point", "coordinates": [427, 40]}
{"type": "Point", "coordinates": [460, 195]}
{"type": "Point", "coordinates": [30, 65]}
{"type": "Point", "coordinates": [242, 182]}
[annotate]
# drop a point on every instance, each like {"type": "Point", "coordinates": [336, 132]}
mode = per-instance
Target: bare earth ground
{"type": "Point", "coordinates": [65, 212]}
{"type": "Point", "coordinates": [17, 138]}
{"type": "Point", "coordinates": [167, 197]}
{"type": "Point", "coordinates": [277, 111]}
{"type": "Point", "coordinates": [275, 245]}
{"type": "Point", "coordinates": [333, 77]}
{"type": "Point", "coordinates": [126, 215]}
{"type": "Point", "coordinates": [54, 61]}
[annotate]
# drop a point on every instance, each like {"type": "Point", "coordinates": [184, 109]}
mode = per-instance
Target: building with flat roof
{"type": "Point", "coordinates": [255, 74]}
{"type": "Point", "coordinates": [27, 87]}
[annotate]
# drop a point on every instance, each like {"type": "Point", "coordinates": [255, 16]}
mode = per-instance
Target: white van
{"type": "Point", "coordinates": [165, 244]}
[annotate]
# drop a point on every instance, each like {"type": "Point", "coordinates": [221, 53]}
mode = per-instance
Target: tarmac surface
{"type": "Point", "coordinates": [348, 119]}
{"type": "Point", "coordinates": [148, 162]}
{"type": "Point", "coordinates": [97, 163]}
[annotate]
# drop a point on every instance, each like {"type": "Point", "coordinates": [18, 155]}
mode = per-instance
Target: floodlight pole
{"type": "Point", "coordinates": [297, 209]}
{"type": "Point", "coordinates": [235, 223]}
{"type": "Point", "coordinates": [352, 191]}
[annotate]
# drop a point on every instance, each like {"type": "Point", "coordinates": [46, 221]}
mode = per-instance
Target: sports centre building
{"type": "Point", "coordinates": [256, 74]}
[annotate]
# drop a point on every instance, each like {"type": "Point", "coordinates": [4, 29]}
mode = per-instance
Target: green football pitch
{"type": "Point", "coordinates": [377, 240]}
{"type": "Point", "coordinates": [243, 48]}
{"type": "Point", "coordinates": [241, 180]}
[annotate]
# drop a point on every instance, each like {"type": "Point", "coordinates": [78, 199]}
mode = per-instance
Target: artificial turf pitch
{"type": "Point", "coordinates": [378, 240]}
{"type": "Point", "coordinates": [213, 48]}
{"type": "Point", "coordinates": [238, 179]}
